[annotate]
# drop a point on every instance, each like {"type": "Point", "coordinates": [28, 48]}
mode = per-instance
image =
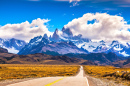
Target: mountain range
{"type": "Point", "coordinates": [68, 59]}
{"type": "Point", "coordinates": [64, 49]}
{"type": "Point", "coordinates": [64, 42]}
{"type": "Point", "coordinates": [39, 58]}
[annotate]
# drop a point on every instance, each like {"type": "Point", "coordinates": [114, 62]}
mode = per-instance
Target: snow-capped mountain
{"type": "Point", "coordinates": [34, 46]}
{"type": "Point", "coordinates": [64, 42]}
{"type": "Point", "coordinates": [12, 45]}
{"type": "Point", "coordinates": [40, 44]}
{"type": "Point", "coordinates": [116, 47]}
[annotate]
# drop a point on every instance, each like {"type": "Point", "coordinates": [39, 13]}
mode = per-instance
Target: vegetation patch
{"type": "Point", "coordinates": [119, 75]}
{"type": "Point", "coordinates": [18, 71]}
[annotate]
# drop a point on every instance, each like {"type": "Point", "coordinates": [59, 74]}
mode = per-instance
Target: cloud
{"type": "Point", "coordinates": [73, 2]}
{"type": "Point", "coordinates": [25, 30]}
{"type": "Point", "coordinates": [118, 3]}
{"type": "Point", "coordinates": [106, 27]}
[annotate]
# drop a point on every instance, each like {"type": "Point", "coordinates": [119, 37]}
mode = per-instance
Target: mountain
{"type": "Point", "coordinates": [12, 45]}
{"type": "Point", "coordinates": [63, 42]}
{"type": "Point", "coordinates": [98, 58]}
{"type": "Point", "coordinates": [122, 63]}
{"type": "Point", "coordinates": [2, 50]}
{"type": "Point", "coordinates": [67, 32]}
{"type": "Point", "coordinates": [40, 44]}
{"type": "Point", "coordinates": [69, 59]}
{"type": "Point", "coordinates": [55, 36]}
{"type": "Point", "coordinates": [39, 58]}
{"type": "Point", "coordinates": [119, 48]}
{"type": "Point", "coordinates": [34, 46]}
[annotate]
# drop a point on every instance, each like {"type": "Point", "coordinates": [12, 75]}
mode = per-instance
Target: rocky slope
{"type": "Point", "coordinates": [39, 58]}
{"type": "Point", "coordinates": [122, 63]}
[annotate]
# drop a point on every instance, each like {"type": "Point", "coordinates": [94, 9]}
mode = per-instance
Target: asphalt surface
{"type": "Point", "coordinates": [78, 80]}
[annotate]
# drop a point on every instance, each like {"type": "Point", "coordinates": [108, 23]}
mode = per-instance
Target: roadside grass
{"type": "Point", "coordinates": [19, 71]}
{"type": "Point", "coordinates": [118, 75]}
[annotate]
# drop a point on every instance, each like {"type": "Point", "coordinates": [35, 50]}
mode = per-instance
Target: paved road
{"type": "Point", "coordinates": [77, 80]}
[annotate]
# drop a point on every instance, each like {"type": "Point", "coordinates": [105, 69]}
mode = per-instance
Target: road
{"type": "Point", "coordinates": [78, 80]}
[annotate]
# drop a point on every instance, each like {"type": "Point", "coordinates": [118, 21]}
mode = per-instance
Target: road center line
{"type": "Point", "coordinates": [54, 82]}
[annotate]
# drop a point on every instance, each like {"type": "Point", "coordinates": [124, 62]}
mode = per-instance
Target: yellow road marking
{"type": "Point", "coordinates": [54, 82]}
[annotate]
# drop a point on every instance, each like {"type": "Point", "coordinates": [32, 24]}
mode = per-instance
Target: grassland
{"type": "Point", "coordinates": [119, 75]}
{"type": "Point", "coordinates": [18, 71]}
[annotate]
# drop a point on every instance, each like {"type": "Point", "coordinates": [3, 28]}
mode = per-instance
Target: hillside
{"type": "Point", "coordinates": [70, 59]}
{"type": "Point", "coordinates": [122, 63]}
{"type": "Point", "coordinates": [38, 58]}
{"type": "Point", "coordinates": [98, 58]}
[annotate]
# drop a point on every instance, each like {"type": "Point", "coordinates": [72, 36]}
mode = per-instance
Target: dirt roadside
{"type": "Point", "coordinates": [100, 82]}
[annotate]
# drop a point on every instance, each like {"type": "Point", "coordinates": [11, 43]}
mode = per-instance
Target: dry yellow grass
{"type": "Point", "coordinates": [109, 72]}
{"type": "Point", "coordinates": [17, 71]}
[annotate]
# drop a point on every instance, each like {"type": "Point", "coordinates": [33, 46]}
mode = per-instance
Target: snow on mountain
{"type": "Point", "coordinates": [34, 46]}
{"type": "Point", "coordinates": [40, 44]}
{"type": "Point", "coordinates": [11, 50]}
{"type": "Point", "coordinates": [106, 47]}
{"type": "Point", "coordinates": [62, 48]}
{"type": "Point", "coordinates": [12, 45]}
{"type": "Point", "coordinates": [124, 53]}
{"type": "Point", "coordinates": [59, 42]}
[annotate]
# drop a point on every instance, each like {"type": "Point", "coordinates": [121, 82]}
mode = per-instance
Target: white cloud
{"type": "Point", "coordinates": [25, 30]}
{"type": "Point", "coordinates": [74, 2]}
{"type": "Point", "coordinates": [106, 27]}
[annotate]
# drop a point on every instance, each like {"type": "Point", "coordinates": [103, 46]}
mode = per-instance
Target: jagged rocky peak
{"type": "Point", "coordinates": [36, 39]}
{"type": "Point", "coordinates": [56, 31]}
{"type": "Point", "coordinates": [102, 41]}
{"type": "Point", "coordinates": [67, 31]}
{"type": "Point", "coordinates": [45, 36]}
{"type": "Point", "coordinates": [114, 42]}
{"type": "Point", "coordinates": [45, 41]}
{"type": "Point", "coordinates": [55, 36]}
{"type": "Point", "coordinates": [78, 37]}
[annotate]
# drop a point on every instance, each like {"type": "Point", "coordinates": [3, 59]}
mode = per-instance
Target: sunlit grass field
{"type": "Point", "coordinates": [18, 71]}
{"type": "Point", "coordinates": [119, 75]}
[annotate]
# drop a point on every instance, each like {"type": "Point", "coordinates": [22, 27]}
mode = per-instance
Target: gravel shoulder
{"type": "Point", "coordinates": [100, 82]}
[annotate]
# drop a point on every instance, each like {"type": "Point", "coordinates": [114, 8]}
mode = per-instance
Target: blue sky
{"type": "Point", "coordinates": [59, 12]}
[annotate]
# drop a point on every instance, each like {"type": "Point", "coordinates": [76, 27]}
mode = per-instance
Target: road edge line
{"type": "Point", "coordinates": [87, 81]}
